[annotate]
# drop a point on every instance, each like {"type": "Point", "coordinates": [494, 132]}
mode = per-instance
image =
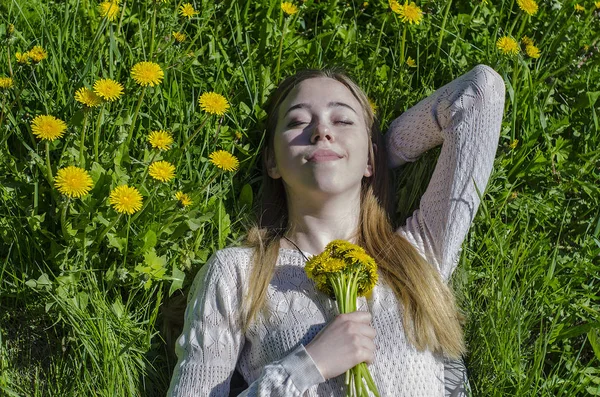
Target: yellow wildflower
{"type": "Point", "coordinates": [579, 8]}
{"type": "Point", "coordinates": [410, 13]}
{"type": "Point", "coordinates": [526, 41]}
{"type": "Point", "coordinates": [183, 198]}
{"type": "Point", "coordinates": [411, 62]}
{"type": "Point", "coordinates": [597, 4]}
{"type": "Point", "coordinates": [108, 89]}
{"type": "Point", "coordinates": [373, 105]}
{"type": "Point", "coordinates": [37, 53]}
{"type": "Point", "coordinates": [87, 97]}
{"type": "Point", "coordinates": [507, 45]}
{"type": "Point", "coordinates": [187, 10]}
{"type": "Point", "coordinates": [6, 82]}
{"type": "Point", "coordinates": [395, 6]}
{"type": "Point", "coordinates": [214, 103]}
{"type": "Point", "coordinates": [224, 160]}
{"type": "Point", "coordinates": [162, 171]}
{"type": "Point", "coordinates": [48, 127]}
{"type": "Point", "coordinates": [513, 144]}
{"type": "Point", "coordinates": [109, 9]}
{"type": "Point", "coordinates": [532, 51]}
{"type": "Point", "coordinates": [23, 58]}
{"type": "Point", "coordinates": [147, 73]}
{"type": "Point", "coordinates": [529, 6]}
{"type": "Point", "coordinates": [125, 199]}
{"type": "Point", "coordinates": [160, 140]}
{"type": "Point", "coordinates": [179, 37]}
{"type": "Point", "coordinates": [73, 181]}
{"type": "Point", "coordinates": [289, 8]}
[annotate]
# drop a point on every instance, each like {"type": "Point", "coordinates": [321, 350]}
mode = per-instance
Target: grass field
{"type": "Point", "coordinates": [86, 271]}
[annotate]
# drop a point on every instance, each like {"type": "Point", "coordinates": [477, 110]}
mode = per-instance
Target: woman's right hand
{"type": "Point", "coordinates": [345, 342]}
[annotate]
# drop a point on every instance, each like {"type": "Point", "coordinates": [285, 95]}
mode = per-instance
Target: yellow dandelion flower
{"type": "Point", "coordinates": [332, 265]}
{"type": "Point", "coordinates": [395, 6]}
{"type": "Point", "coordinates": [526, 41]}
{"type": "Point", "coordinates": [108, 89]}
{"type": "Point", "coordinates": [529, 6]}
{"type": "Point", "coordinates": [187, 10]}
{"type": "Point", "coordinates": [411, 62]}
{"type": "Point", "coordinates": [179, 37]}
{"type": "Point", "coordinates": [11, 29]}
{"type": "Point", "coordinates": [73, 181]}
{"type": "Point", "coordinates": [410, 13]}
{"type": "Point", "coordinates": [532, 51]}
{"type": "Point", "coordinates": [579, 8]}
{"type": "Point", "coordinates": [373, 105]}
{"type": "Point", "coordinates": [365, 4]}
{"type": "Point", "coordinates": [48, 127]}
{"type": "Point", "coordinates": [213, 103]}
{"type": "Point", "coordinates": [513, 144]}
{"type": "Point", "coordinates": [109, 9]}
{"type": "Point", "coordinates": [507, 45]}
{"type": "Point", "coordinates": [125, 199]}
{"type": "Point", "coordinates": [597, 4]}
{"type": "Point", "coordinates": [37, 53]}
{"type": "Point", "coordinates": [87, 97]}
{"type": "Point", "coordinates": [514, 195]}
{"type": "Point", "coordinates": [6, 82]}
{"type": "Point", "coordinates": [238, 135]}
{"type": "Point", "coordinates": [586, 47]}
{"type": "Point", "coordinates": [160, 140]}
{"type": "Point", "coordinates": [183, 198]}
{"type": "Point", "coordinates": [22, 58]}
{"type": "Point", "coordinates": [147, 73]}
{"type": "Point", "coordinates": [162, 171]}
{"type": "Point", "coordinates": [224, 160]}
{"type": "Point", "coordinates": [289, 8]}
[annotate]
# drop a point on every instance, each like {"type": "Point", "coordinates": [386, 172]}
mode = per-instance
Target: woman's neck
{"type": "Point", "coordinates": [312, 226]}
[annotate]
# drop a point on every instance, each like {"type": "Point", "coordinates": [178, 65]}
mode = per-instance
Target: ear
{"type": "Point", "coordinates": [369, 169]}
{"type": "Point", "coordinates": [272, 168]}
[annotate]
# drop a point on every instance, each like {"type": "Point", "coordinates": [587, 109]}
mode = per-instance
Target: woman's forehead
{"type": "Point", "coordinates": [319, 91]}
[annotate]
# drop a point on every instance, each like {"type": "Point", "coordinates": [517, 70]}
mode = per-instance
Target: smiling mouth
{"type": "Point", "coordinates": [323, 157]}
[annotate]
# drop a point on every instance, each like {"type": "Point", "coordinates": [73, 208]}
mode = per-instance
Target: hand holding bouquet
{"type": "Point", "coordinates": [344, 271]}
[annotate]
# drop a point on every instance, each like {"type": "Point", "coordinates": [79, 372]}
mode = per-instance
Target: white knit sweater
{"type": "Point", "coordinates": [465, 117]}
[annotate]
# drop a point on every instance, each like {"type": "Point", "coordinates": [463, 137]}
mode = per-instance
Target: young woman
{"type": "Point", "coordinates": [253, 309]}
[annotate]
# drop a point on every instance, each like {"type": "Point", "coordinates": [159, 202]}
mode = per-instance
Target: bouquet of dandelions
{"type": "Point", "coordinates": [344, 271]}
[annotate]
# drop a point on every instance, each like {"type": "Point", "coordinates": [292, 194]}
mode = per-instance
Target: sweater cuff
{"type": "Point", "coordinates": [303, 371]}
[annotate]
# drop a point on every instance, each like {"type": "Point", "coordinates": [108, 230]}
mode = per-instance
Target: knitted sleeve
{"type": "Point", "coordinates": [212, 340]}
{"type": "Point", "coordinates": [465, 116]}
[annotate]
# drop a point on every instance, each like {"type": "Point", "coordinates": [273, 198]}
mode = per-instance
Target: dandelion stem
{"type": "Point", "coordinates": [126, 240]}
{"type": "Point", "coordinates": [402, 43]}
{"type": "Point", "coordinates": [82, 144]}
{"type": "Point", "coordinates": [442, 30]}
{"type": "Point", "coordinates": [48, 166]}
{"type": "Point", "coordinates": [194, 134]}
{"type": "Point", "coordinates": [146, 203]}
{"type": "Point", "coordinates": [108, 228]}
{"type": "Point", "coordinates": [147, 168]}
{"type": "Point", "coordinates": [280, 49]}
{"type": "Point", "coordinates": [153, 29]}
{"type": "Point", "coordinates": [63, 220]}
{"type": "Point", "coordinates": [523, 22]}
{"type": "Point", "coordinates": [97, 132]}
{"type": "Point", "coordinates": [135, 114]}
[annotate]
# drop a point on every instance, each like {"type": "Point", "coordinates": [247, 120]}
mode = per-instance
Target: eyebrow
{"type": "Point", "coordinates": [329, 105]}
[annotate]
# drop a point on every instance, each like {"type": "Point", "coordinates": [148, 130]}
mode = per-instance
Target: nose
{"type": "Point", "coordinates": [321, 131]}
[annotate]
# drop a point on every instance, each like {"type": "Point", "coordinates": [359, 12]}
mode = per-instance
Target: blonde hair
{"type": "Point", "coordinates": [431, 317]}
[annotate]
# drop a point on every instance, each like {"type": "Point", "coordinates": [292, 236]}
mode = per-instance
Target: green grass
{"type": "Point", "coordinates": [82, 311]}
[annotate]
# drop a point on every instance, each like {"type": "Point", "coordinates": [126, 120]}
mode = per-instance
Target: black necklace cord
{"type": "Point", "coordinates": [299, 250]}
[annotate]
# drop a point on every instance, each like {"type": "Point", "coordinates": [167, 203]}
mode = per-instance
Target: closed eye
{"type": "Point", "coordinates": [347, 122]}
{"type": "Point", "coordinates": [296, 123]}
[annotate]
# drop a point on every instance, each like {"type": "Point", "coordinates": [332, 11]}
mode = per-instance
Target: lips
{"type": "Point", "coordinates": [323, 155]}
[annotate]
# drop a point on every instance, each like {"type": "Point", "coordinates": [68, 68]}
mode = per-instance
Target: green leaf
{"type": "Point", "coordinates": [246, 196]}
{"type": "Point", "coordinates": [149, 240]}
{"type": "Point", "coordinates": [593, 337]}
{"type": "Point", "coordinates": [178, 276]}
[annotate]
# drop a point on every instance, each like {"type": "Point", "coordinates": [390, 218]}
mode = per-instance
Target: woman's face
{"type": "Point", "coordinates": [320, 114]}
